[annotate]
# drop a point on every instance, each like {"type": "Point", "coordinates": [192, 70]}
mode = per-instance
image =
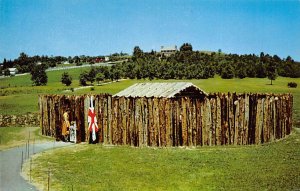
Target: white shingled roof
{"type": "Point", "coordinates": [168, 90]}
{"type": "Point", "coordinates": [174, 48]}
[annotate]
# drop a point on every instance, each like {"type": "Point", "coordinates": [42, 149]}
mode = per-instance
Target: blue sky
{"type": "Point", "coordinates": [101, 27]}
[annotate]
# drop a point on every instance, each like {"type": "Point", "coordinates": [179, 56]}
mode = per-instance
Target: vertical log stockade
{"type": "Point", "coordinates": [218, 119]}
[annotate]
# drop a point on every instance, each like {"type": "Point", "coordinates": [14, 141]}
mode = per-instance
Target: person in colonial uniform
{"type": "Point", "coordinates": [66, 126]}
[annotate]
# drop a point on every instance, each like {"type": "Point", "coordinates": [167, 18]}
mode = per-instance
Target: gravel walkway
{"type": "Point", "coordinates": [11, 161]}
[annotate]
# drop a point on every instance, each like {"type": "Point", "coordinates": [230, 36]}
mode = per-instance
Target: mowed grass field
{"type": "Point", "coordinates": [273, 166]}
{"type": "Point", "coordinates": [16, 136]}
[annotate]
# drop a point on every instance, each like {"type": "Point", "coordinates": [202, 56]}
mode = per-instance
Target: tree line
{"type": "Point", "coordinates": [25, 63]}
{"type": "Point", "coordinates": [189, 64]}
{"type": "Point", "coordinates": [183, 64]}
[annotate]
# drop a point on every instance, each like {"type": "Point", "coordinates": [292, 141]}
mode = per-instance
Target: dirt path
{"type": "Point", "coordinates": [11, 161]}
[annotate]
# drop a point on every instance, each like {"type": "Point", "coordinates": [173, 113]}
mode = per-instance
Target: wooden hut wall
{"type": "Point", "coordinates": [219, 119]}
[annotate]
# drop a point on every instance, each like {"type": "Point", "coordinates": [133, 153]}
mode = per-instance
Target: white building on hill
{"type": "Point", "coordinates": [13, 71]}
{"type": "Point", "coordinates": [168, 50]}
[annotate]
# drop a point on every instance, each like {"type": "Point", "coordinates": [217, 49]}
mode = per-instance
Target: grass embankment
{"type": "Point", "coordinates": [272, 166]}
{"type": "Point", "coordinates": [16, 136]}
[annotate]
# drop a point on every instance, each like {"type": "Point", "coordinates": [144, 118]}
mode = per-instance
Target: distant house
{"type": "Point", "coordinates": [13, 71]}
{"type": "Point", "coordinates": [106, 59]}
{"type": "Point", "coordinates": [166, 90]}
{"type": "Point", "coordinates": [99, 59]}
{"type": "Point", "coordinates": [168, 50]}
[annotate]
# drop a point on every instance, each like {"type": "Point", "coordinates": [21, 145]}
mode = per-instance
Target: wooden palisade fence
{"type": "Point", "coordinates": [218, 119]}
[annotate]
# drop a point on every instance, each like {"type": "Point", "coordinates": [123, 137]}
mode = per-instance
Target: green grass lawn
{"type": "Point", "coordinates": [18, 96]}
{"type": "Point", "coordinates": [273, 166]}
{"type": "Point", "coordinates": [16, 136]}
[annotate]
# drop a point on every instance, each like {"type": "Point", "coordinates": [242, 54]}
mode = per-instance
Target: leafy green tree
{"type": "Point", "coordinates": [137, 53]}
{"type": "Point", "coordinates": [91, 75]}
{"type": "Point", "coordinates": [138, 73]}
{"type": "Point", "coordinates": [104, 70]}
{"type": "Point", "coordinates": [6, 72]}
{"type": "Point", "coordinates": [66, 79]}
{"type": "Point", "coordinates": [77, 61]}
{"type": "Point", "coordinates": [39, 76]}
{"type": "Point", "coordinates": [219, 51]}
{"type": "Point", "coordinates": [250, 71]}
{"type": "Point", "coordinates": [260, 70]}
{"type": "Point", "coordinates": [23, 56]}
{"type": "Point", "coordinates": [115, 72]}
{"type": "Point", "coordinates": [241, 71]}
{"type": "Point", "coordinates": [83, 78]}
{"type": "Point", "coordinates": [117, 75]}
{"type": "Point", "coordinates": [100, 77]}
{"type": "Point", "coordinates": [227, 72]}
{"type": "Point", "coordinates": [186, 47]}
{"type": "Point", "coordinates": [271, 72]}
{"type": "Point", "coordinates": [4, 63]}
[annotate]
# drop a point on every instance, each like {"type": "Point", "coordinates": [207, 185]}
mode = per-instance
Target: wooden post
{"type": "Point", "coordinates": [105, 120]}
{"type": "Point", "coordinates": [156, 122]}
{"type": "Point", "coordinates": [241, 119]}
{"type": "Point", "coordinates": [212, 131]}
{"type": "Point", "coordinates": [86, 107]}
{"type": "Point", "coordinates": [140, 104]}
{"type": "Point", "coordinates": [109, 121]}
{"type": "Point", "coordinates": [231, 118]}
{"type": "Point", "coordinates": [178, 123]}
{"type": "Point", "coordinates": [132, 122]}
{"type": "Point", "coordinates": [199, 107]}
{"type": "Point", "coordinates": [266, 132]}
{"type": "Point", "coordinates": [194, 122]}
{"type": "Point", "coordinates": [246, 120]}
{"type": "Point", "coordinates": [162, 122]}
{"type": "Point", "coordinates": [168, 115]}
{"type": "Point", "coordinates": [145, 121]}
{"type": "Point", "coordinates": [129, 121]}
{"type": "Point", "coordinates": [218, 120]}
{"type": "Point", "coordinates": [208, 123]}
{"type": "Point", "coordinates": [236, 120]}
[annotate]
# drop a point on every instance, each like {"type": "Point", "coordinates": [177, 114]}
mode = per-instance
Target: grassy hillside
{"type": "Point", "coordinates": [18, 96]}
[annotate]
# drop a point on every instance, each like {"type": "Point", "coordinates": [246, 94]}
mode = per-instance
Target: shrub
{"type": "Point", "coordinates": [66, 79]}
{"type": "Point", "coordinates": [39, 76]}
{"type": "Point", "coordinates": [227, 72]}
{"type": "Point", "coordinates": [6, 72]}
{"type": "Point", "coordinates": [100, 77]}
{"type": "Point", "coordinates": [292, 84]}
{"type": "Point", "coordinates": [83, 78]}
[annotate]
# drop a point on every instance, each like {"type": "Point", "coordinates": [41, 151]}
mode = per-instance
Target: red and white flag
{"type": "Point", "coordinates": [92, 120]}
